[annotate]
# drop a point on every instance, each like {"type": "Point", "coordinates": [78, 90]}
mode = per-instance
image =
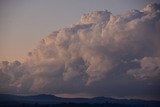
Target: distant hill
{"type": "Point", "coordinates": [7, 100]}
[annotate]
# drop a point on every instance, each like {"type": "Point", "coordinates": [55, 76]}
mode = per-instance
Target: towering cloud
{"type": "Point", "coordinates": [103, 54]}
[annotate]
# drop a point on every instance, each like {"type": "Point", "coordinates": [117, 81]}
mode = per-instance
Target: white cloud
{"type": "Point", "coordinates": [152, 8]}
{"type": "Point", "coordinates": [95, 17]}
{"type": "Point", "coordinates": [149, 68]}
{"type": "Point", "coordinates": [89, 57]}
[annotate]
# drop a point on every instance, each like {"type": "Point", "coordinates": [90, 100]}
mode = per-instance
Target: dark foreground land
{"type": "Point", "coordinates": [53, 101]}
{"type": "Point", "coordinates": [72, 105]}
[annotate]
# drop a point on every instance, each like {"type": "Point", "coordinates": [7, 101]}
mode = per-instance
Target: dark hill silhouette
{"type": "Point", "coordinates": [51, 100]}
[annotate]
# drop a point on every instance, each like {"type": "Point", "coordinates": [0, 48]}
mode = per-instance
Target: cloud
{"type": "Point", "coordinates": [101, 55]}
{"type": "Point", "coordinates": [149, 68]}
{"type": "Point", "coordinates": [95, 17]}
{"type": "Point", "coordinates": [152, 8]}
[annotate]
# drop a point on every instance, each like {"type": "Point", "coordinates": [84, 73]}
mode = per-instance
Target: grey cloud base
{"type": "Point", "coordinates": [102, 55]}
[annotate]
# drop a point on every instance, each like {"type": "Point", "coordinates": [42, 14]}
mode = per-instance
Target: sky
{"type": "Point", "coordinates": [23, 23]}
{"type": "Point", "coordinates": [80, 48]}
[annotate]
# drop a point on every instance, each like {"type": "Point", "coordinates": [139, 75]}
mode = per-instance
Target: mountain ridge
{"type": "Point", "coordinates": [52, 99]}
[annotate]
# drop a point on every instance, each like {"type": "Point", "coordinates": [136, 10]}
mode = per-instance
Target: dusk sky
{"type": "Point", "coordinates": [80, 48]}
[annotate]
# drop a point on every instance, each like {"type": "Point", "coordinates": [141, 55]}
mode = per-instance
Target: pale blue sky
{"type": "Point", "coordinates": [23, 23]}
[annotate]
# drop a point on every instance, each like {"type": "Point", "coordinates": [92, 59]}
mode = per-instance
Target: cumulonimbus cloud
{"type": "Point", "coordinates": [101, 52]}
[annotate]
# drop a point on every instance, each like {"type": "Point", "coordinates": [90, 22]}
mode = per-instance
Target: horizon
{"type": "Point", "coordinates": [75, 97]}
